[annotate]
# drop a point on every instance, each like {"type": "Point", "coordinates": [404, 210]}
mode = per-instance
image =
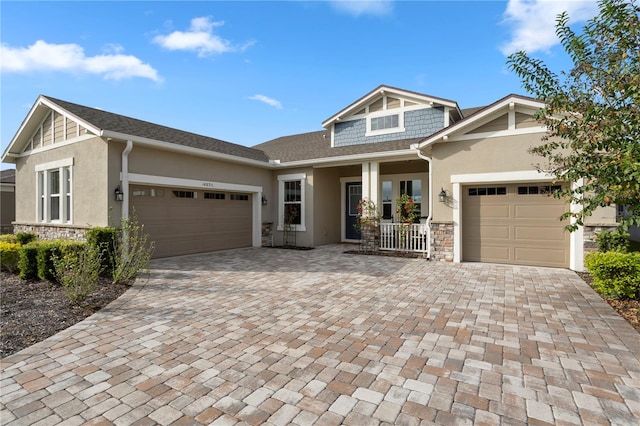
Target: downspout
{"type": "Point", "coordinates": [124, 178]}
{"type": "Point", "coordinates": [428, 160]}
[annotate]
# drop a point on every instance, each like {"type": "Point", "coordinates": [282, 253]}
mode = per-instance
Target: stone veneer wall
{"type": "Point", "coordinates": [590, 231]}
{"type": "Point", "coordinates": [442, 241]}
{"type": "Point", "coordinates": [370, 238]}
{"type": "Point", "coordinates": [53, 232]}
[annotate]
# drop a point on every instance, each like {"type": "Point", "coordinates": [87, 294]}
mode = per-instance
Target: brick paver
{"type": "Point", "coordinates": [256, 336]}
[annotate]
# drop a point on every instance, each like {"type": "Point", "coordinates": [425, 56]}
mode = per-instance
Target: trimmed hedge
{"type": "Point", "coordinates": [48, 251]}
{"type": "Point", "coordinates": [615, 274]}
{"type": "Point", "coordinates": [28, 261]}
{"type": "Point", "coordinates": [25, 238]}
{"type": "Point", "coordinates": [9, 255]}
{"type": "Point", "coordinates": [104, 239]}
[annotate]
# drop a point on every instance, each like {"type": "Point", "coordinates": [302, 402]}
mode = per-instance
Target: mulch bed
{"type": "Point", "coordinates": [31, 311]}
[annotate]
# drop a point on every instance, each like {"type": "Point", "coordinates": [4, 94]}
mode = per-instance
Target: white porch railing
{"type": "Point", "coordinates": [404, 237]}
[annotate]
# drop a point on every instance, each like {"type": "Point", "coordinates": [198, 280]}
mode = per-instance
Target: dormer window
{"type": "Point", "coordinates": [384, 122]}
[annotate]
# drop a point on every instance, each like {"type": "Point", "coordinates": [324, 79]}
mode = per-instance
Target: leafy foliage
{"type": "Point", "coordinates": [368, 214]}
{"type": "Point", "coordinates": [28, 261]}
{"type": "Point", "coordinates": [78, 271]}
{"type": "Point", "coordinates": [25, 238]}
{"type": "Point", "coordinates": [592, 112]}
{"type": "Point", "coordinates": [617, 240]}
{"type": "Point", "coordinates": [406, 209]}
{"type": "Point", "coordinates": [133, 252]}
{"type": "Point", "coordinates": [8, 238]}
{"type": "Point", "coordinates": [105, 239]}
{"type": "Point", "coordinates": [615, 274]}
{"type": "Point", "coordinates": [9, 255]}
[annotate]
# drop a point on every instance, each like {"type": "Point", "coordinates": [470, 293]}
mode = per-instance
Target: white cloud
{"type": "Point", "coordinates": [199, 38]}
{"type": "Point", "coordinates": [363, 7]}
{"type": "Point", "coordinates": [269, 101]}
{"type": "Point", "coordinates": [533, 22]}
{"type": "Point", "coordinates": [42, 56]}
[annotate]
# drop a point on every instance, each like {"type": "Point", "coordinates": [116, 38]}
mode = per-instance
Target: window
{"type": "Point", "coordinates": [54, 191]}
{"type": "Point", "coordinates": [535, 190]}
{"type": "Point", "coordinates": [147, 192]}
{"type": "Point", "coordinates": [385, 122]}
{"type": "Point", "coordinates": [239, 197]}
{"type": "Point", "coordinates": [214, 195]}
{"type": "Point", "coordinates": [291, 201]}
{"type": "Point", "coordinates": [387, 199]}
{"type": "Point", "coordinates": [413, 188]}
{"type": "Point", "coordinates": [185, 194]}
{"type": "Point", "coordinates": [491, 190]}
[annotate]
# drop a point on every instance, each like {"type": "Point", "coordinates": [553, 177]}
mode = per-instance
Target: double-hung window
{"type": "Point", "coordinates": [291, 201]}
{"type": "Point", "coordinates": [55, 191]}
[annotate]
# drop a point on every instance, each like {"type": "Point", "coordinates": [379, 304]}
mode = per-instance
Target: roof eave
{"type": "Point", "coordinates": [345, 159]}
{"type": "Point", "coordinates": [169, 146]}
{"type": "Point", "coordinates": [483, 113]}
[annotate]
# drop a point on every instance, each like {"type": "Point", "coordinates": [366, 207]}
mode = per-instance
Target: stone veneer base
{"type": "Point", "coordinates": [442, 241]}
{"type": "Point", "coordinates": [52, 231]}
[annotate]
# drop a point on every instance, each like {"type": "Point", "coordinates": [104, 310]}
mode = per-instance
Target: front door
{"type": "Point", "coordinates": [353, 191]}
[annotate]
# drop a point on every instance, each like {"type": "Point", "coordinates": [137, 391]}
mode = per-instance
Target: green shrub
{"type": "Point", "coordinates": [9, 255]}
{"type": "Point", "coordinates": [47, 250]}
{"type": "Point", "coordinates": [25, 238]}
{"type": "Point", "coordinates": [78, 271]}
{"type": "Point", "coordinates": [615, 274]}
{"type": "Point", "coordinates": [105, 240]}
{"type": "Point", "coordinates": [133, 252]}
{"type": "Point", "coordinates": [617, 240]}
{"type": "Point", "coordinates": [28, 261]}
{"type": "Point", "coordinates": [8, 238]}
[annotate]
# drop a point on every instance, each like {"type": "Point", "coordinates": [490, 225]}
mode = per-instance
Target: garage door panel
{"type": "Point", "coordinates": [538, 211]}
{"type": "Point", "coordinates": [181, 225]}
{"type": "Point", "coordinates": [539, 233]}
{"type": "Point", "coordinates": [513, 227]}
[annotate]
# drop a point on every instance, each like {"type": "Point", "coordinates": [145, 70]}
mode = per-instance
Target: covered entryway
{"type": "Point", "coordinates": [514, 223]}
{"type": "Point", "coordinates": [185, 221]}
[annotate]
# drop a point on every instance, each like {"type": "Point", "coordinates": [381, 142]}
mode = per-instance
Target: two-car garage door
{"type": "Point", "coordinates": [184, 221]}
{"type": "Point", "coordinates": [515, 223]}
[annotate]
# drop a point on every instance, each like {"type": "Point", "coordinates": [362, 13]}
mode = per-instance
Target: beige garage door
{"type": "Point", "coordinates": [185, 221]}
{"type": "Point", "coordinates": [515, 224]}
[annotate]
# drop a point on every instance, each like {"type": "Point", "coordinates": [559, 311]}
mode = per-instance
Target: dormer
{"type": "Point", "coordinates": [389, 114]}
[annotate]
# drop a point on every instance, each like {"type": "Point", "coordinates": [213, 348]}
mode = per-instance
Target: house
{"type": "Point", "coordinates": [7, 200]}
{"type": "Point", "coordinates": [469, 172]}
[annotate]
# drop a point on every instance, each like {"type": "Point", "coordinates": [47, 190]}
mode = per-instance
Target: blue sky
{"type": "Point", "coordinates": [248, 72]}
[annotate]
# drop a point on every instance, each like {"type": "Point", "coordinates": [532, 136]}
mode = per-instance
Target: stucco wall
{"type": "Point", "coordinates": [90, 201]}
{"type": "Point", "coordinates": [326, 213]}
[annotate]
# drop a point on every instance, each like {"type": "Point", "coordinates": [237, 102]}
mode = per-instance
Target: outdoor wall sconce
{"type": "Point", "coordinates": [264, 200]}
{"type": "Point", "coordinates": [442, 196]}
{"type": "Point", "coordinates": [119, 194]}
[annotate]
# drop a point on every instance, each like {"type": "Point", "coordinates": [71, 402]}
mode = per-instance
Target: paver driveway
{"type": "Point", "coordinates": [321, 337]}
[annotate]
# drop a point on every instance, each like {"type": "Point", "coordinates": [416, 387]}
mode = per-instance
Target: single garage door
{"type": "Point", "coordinates": [186, 221]}
{"type": "Point", "coordinates": [515, 224]}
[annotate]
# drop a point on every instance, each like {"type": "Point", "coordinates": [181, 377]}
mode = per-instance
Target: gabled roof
{"type": "Point", "coordinates": [382, 89]}
{"type": "Point", "coordinates": [107, 124]}
{"type": "Point", "coordinates": [8, 176]}
{"type": "Point", "coordinates": [476, 118]}
{"type": "Point", "coordinates": [317, 146]}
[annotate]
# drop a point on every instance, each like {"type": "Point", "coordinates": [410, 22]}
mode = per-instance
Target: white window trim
{"type": "Point", "coordinates": [384, 113]}
{"type": "Point", "coordinates": [44, 210]}
{"type": "Point", "coordinates": [302, 177]}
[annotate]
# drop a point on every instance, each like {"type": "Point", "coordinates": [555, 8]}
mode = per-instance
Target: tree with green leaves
{"type": "Point", "coordinates": [591, 112]}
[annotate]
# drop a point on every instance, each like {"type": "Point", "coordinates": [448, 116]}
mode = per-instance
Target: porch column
{"type": "Point", "coordinates": [371, 181]}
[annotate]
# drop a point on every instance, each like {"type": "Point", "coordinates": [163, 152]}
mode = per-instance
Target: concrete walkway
{"type": "Point", "coordinates": [273, 336]}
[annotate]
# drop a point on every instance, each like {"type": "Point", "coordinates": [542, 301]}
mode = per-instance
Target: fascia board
{"type": "Point", "coordinates": [387, 90]}
{"type": "Point", "coordinates": [348, 159]}
{"type": "Point", "coordinates": [40, 102]}
{"type": "Point", "coordinates": [168, 146]}
{"type": "Point", "coordinates": [479, 117]}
